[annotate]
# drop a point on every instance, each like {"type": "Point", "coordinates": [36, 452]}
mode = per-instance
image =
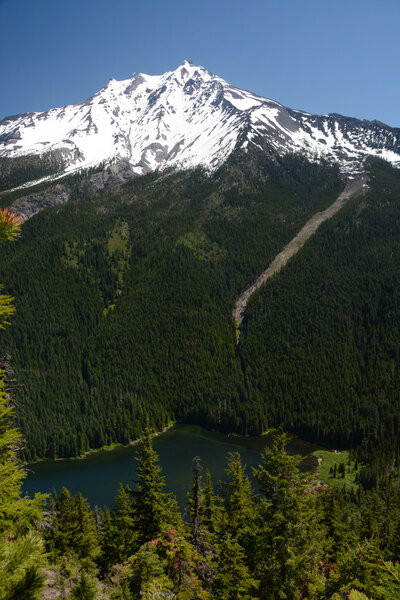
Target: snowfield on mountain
{"type": "Point", "coordinates": [185, 118]}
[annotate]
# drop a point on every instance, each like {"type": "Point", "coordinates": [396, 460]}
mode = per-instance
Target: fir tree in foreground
{"type": "Point", "coordinates": [290, 539]}
{"type": "Point", "coordinates": [84, 589]}
{"type": "Point", "coordinates": [21, 548]}
{"type": "Point", "coordinates": [153, 510]}
{"type": "Point", "coordinates": [149, 500]}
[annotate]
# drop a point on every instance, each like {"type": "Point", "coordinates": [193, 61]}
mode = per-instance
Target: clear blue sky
{"type": "Point", "coordinates": [316, 55]}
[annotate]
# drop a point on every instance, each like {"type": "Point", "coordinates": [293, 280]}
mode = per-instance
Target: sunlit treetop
{"type": "Point", "coordinates": [10, 224]}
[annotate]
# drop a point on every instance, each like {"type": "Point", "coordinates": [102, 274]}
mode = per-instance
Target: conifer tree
{"type": "Point", "coordinates": [195, 502]}
{"type": "Point", "coordinates": [65, 520]}
{"type": "Point", "coordinates": [200, 538]}
{"type": "Point", "coordinates": [357, 569]}
{"type": "Point", "coordinates": [210, 511]}
{"type": "Point", "coordinates": [150, 501]}
{"type": "Point", "coordinates": [337, 517]}
{"type": "Point", "coordinates": [190, 571]}
{"type": "Point", "coordinates": [123, 521]}
{"type": "Point", "coordinates": [84, 589]}
{"type": "Point", "coordinates": [233, 580]}
{"type": "Point", "coordinates": [148, 573]}
{"type": "Point", "coordinates": [110, 550]}
{"type": "Point", "coordinates": [85, 539]}
{"type": "Point", "coordinates": [289, 543]}
{"type": "Point", "coordinates": [21, 548]}
{"type": "Point", "coordinates": [75, 524]}
{"type": "Point", "coordinates": [239, 502]}
{"type": "Point", "coordinates": [390, 580]}
{"type": "Point", "coordinates": [240, 508]}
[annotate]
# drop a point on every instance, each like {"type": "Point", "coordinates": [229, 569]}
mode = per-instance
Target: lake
{"type": "Point", "coordinates": [98, 475]}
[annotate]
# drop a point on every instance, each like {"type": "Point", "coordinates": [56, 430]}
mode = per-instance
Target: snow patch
{"type": "Point", "coordinates": [185, 118]}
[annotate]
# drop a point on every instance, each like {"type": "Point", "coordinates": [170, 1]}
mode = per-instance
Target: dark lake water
{"type": "Point", "coordinates": [98, 476]}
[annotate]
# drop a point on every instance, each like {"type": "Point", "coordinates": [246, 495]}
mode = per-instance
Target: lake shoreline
{"type": "Point", "coordinates": [99, 477]}
{"type": "Point", "coordinates": [118, 446]}
{"type": "Point", "coordinates": [108, 448]}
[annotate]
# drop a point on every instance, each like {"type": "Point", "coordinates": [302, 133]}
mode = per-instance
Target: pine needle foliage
{"type": "Point", "coordinates": [21, 547]}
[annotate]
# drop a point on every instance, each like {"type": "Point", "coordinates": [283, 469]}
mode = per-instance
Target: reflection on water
{"type": "Point", "coordinates": [99, 475]}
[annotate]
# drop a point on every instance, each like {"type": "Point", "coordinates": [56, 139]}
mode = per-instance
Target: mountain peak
{"type": "Point", "coordinates": [188, 117]}
{"type": "Point", "coordinates": [188, 69]}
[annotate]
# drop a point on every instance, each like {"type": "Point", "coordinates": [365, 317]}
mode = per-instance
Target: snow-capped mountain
{"type": "Point", "coordinates": [185, 118]}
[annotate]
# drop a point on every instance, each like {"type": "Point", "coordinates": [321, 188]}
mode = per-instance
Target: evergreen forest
{"type": "Point", "coordinates": [123, 324]}
{"type": "Point", "coordinates": [124, 304]}
{"type": "Point", "coordinates": [124, 301]}
{"type": "Point", "coordinates": [286, 538]}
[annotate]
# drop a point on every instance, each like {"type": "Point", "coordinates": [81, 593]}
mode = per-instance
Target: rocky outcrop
{"type": "Point", "coordinates": [59, 193]}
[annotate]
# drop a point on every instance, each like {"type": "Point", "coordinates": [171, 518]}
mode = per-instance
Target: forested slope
{"type": "Point", "coordinates": [320, 343]}
{"type": "Point", "coordinates": [124, 300]}
{"type": "Point", "coordinates": [124, 310]}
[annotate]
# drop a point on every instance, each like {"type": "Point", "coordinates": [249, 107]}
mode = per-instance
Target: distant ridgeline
{"type": "Point", "coordinates": [124, 309]}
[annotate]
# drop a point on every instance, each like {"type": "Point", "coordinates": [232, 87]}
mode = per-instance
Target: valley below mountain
{"type": "Point", "coordinates": [124, 309]}
{"type": "Point", "coordinates": [152, 210]}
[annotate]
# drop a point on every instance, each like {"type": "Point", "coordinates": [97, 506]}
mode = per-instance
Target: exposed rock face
{"type": "Point", "coordinates": [59, 193]}
{"type": "Point", "coordinates": [31, 204]}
